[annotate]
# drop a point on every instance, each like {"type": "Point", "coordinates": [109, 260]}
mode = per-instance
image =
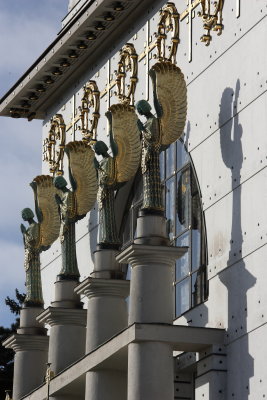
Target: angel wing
{"type": "Point", "coordinates": [83, 173]}
{"type": "Point", "coordinates": [171, 94]}
{"type": "Point", "coordinates": [127, 138]}
{"type": "Point", "coordinates": [46, 209]}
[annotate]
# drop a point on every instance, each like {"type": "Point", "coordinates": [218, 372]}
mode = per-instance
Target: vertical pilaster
{"type": "Point", "coordinates": [31, 347]}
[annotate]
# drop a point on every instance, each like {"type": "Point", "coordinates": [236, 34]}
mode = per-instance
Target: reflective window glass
{"type": "Point", "coordinates": [169, 204]}
{"type": "Point", "coordinates": [182, 265]}
{"type": "Point", "coordinates": [182, 299]}
{"type": "Point", "coordinates": [183, 201]}
{"type": "Point", "coordinates": [170, 160]}
{"type": "Point", "coordinates": [182, 156]}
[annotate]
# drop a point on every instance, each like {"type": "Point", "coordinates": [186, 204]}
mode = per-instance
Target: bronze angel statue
{"type": "Point", "coordinates": [76, 203]}
{"type": "Point", "coordinates": [170, 101]}
{"type": "Point", "coordinates": [39, 235]}
{"type": "Point", "coordinates": [116, 169]}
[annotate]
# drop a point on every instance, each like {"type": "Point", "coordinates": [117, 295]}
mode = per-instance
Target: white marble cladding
{"type": "Point", "coordinates": [226, 136]}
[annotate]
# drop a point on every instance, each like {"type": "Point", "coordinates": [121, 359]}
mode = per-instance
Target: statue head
{"type": "Point", "coordinates": [100, 148]}
{"type": "Point", "coordinates": [60, 182]}
{"type": "Point", "coordinates": [27, 214]}
{"type": "Point", "coordinates": [143, 107]}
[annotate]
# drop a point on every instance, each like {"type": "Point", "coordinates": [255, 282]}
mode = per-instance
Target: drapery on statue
{"type": "Point", "coordinates": [39, 235]}
{"type": "Point", "coordinates": [170, 101]}
{"type": "Point", "coordinates": [117, 169]}
{"type": "Point", "coordinates": [76, 203]}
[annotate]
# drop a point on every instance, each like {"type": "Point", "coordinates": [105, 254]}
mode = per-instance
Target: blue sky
{"type": "Point", "coordinates": [27, 27]}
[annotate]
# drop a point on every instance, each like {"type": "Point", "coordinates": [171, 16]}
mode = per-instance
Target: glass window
{"type": "Point", "coordinates": [183, 200]}
{"type": "Point", "coordinates": [182, 300]}
{"type": "Point", "coordinates": [169, 206]}
{"type": "Point", "coordinates": [182, 265]}
{"type": "Point", "coordinates": [185, 224]}
{"type": "Point", "coordinates": [170, 160]}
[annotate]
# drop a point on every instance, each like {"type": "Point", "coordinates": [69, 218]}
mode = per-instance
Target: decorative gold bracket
{"type": "Point", "coordinates": [54, 145]}
{"type": "Point", "coordinates": [91, 99]}
{"type": "Point", "coordinates": [169, 22]}
{"type": "Point", "coordinates": [211, 20]}
{"type": "Point", "coordinates": [128, 63]}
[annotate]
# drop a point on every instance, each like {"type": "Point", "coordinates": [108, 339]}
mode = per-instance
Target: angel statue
{"type": "Point", "coordinates": [115, 170]}
{"type": "Point", "coordinates": [170, 102]}
{"type": "Point", "coordinates": [39, 235]}
{"type": "Point", "coordinates": [76, 203]}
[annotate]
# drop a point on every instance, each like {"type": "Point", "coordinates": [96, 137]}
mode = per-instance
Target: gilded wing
{"type": "Point", "coordinates": [47, 208]}
{"type": "Point", "coordinates": [83, 173]}
{"type": "Point", "coordinates": [171, 94]}
{"type": "Point", "coordinates": [127, 138]}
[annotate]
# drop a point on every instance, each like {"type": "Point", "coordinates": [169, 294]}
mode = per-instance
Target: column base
{"type": "Point", "coordinates": [28, 322]}
{"type": "Point", "coordinates": [106, 266]}
{"type": "Point", "coordinates": [151, 230]}
{"type": "Point", "coordinates": [65, 296]}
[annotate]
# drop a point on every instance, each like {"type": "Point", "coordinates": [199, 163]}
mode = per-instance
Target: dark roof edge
{"type": "Point", "coordinates": [60, 34]}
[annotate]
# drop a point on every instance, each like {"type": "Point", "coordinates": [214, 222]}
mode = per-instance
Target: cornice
{"type": "Point", "coordinates": [27, 342]}
{"type": "Point", "coordinates": [98, 287]}
{"type": "Point", "coordinates": [19, 100]}
{"type": "Point", "coordinates": [63, 316]}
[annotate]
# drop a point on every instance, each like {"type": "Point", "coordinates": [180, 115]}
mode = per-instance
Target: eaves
{"type": "Point", "coordinates": [62, 63]}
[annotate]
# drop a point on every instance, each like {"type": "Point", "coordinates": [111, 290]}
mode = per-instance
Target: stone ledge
{"type": "Point", "coordinates": [113, 353]}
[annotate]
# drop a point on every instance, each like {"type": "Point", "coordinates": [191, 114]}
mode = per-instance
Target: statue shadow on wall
{"type": "Point", "coordinates": [237, 279]}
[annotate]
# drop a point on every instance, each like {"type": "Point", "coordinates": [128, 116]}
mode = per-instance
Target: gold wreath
{"type": "Point", "coordinates": [128, 62]}
{"type": "Point", "coordinates": [90, 99]}
{"type": "Point", "coordinates": [169, 22]}
{"type": "Point", "coordinates": [57, 133]}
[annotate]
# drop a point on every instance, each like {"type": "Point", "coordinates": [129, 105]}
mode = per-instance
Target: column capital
{"type": "Point", "coordinates": [19, 342]}
{"type": "Point", "coordinates": [63, 316]}
{"type": "Point", "coordinates": [97, 287]}
{"type": "Point", "coordinates": [149, 254]}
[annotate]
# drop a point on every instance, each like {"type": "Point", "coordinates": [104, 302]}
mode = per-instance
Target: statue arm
{"type": "Point", "coordinates": [97, 165]}
{"type": "Point", "coordinates": [23, 229]}
{"type": "Point", "coordinates": [58, 200]}
{"type": "Point", "coordinates": [113, 145]}
{"type": "Point", "coordinates": [141, 126]}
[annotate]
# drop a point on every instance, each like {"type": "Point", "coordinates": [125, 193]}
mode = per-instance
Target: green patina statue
{"type": "Point", "coordinates": [39, 235]}
{"type": "Point", "coordinates": [108, 236]}
{"type": "Point", "coordinates": [170, 102]}
{"type": "Point", "coordinates": [115, 170]}
{"type": "Point", "coordinates": [74, 204]}
{"type": "Point", "coordinates": [151, 146]}
{"type": "Point", "coordinates": [66, 202]}
{"type": "Point", "coordinates": [31, 238]}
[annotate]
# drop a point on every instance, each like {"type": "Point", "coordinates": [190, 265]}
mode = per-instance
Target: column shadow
{"type": "Point", "coordinates": [237, 279]}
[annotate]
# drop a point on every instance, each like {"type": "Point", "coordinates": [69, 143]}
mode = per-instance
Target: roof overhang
{"type": "Point", "coordinates": [34, 93]}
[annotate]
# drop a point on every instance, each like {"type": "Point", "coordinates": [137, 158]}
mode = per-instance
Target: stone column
{"type": "Point", "coordinates": [150, 364]}
{"type": "Point", "coordinates": [31, 347]}
{"type": "Point", "coordinates": [106, 316]}
{"type": "Point", "coordinates": [67, 320]}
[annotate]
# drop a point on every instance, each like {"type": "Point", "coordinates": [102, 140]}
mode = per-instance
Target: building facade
{"type": "Point", "coordinates": [202, 336]}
